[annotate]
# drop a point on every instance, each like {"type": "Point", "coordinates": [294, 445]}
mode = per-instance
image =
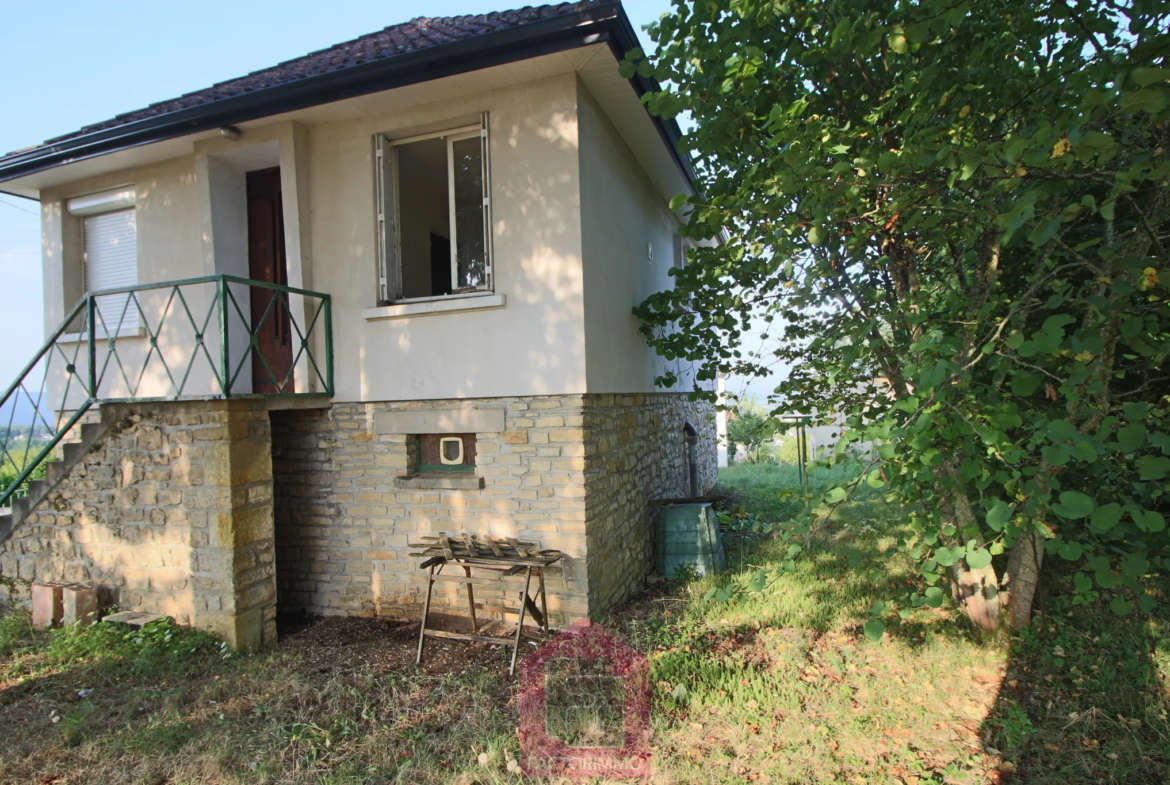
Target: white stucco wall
{"type": "Point", "coordinates": [623, 217]}
{"type": "Point", "coordinates": [573, 215]}
{"type": "Point", "coordinates": [535, 345]}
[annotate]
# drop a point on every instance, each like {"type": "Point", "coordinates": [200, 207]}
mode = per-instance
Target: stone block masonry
{"type": "Point", "coordinates": [171, 513]}
{"type": "Point", "coordinates": [217, 513]}
{"type": "Point", "coordinates": [575, 473]}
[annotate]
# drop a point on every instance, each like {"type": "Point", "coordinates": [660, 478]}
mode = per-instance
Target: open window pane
{"type": "Point", "coordinates": [470, 254]}
{"type": "Point", "coordinates": [424, 227]}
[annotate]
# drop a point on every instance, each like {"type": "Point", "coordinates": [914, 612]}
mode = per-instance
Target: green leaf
{"type": "Point", "coordinates": [1144, 77]}
{"type": "Point", "coordinates": [905, 614]}
{"type": "Point", "coordinates": [934, 597]}
{"type": "Point", "coordinates": [897, 41]}
{"type": "Point", "coordinates": [999, 515]}
{"type": "Point", "coordinates": [1024, 383]}
{"type": "Point", "coordinates": [1120, 607]}
{"type": "Point", "coordinates": [1154, 522]}
{"type": "Point", "coordinates": [817, 236]}
{"type": "Point", "coordinates": [1146, 603]}
{"type": "Point", "coordinates": [978, 558]}
{"type": "Point", "coordinates": [836, 495]}
{"type": "Point", "coordinates": [1106, 517]}
{"type": "Point", "coordinates": [1132, 436]}
{"type": "Point", "coordinates": [1074, 505]}
{"type": "Point", "coordinates": [678, 201]}
{"type": "Point", "coordinates": [1082, 584]}
{"type": "Point", "coordinates": [679, 692]}
{"type": "Point", "coordinates": [874, 480]}
{"type": "Point", "coordinates": [874, 630]}
{"type": "Point", "coordinates": [1070, 551]}
{"type": "Point", "coordinates": [946, 557]}
{"type": "Point", "coordinates": [1153, 467]}
{"type": "Point", "coordinates": [1148, 100]}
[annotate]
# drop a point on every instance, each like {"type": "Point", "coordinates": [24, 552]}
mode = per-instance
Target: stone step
{"type": "Point", "coordinates": [55, 471]}
{"type": "Point", "coordinates": [19, 508]}
{"type": "Point", "coordinates": [5, 527]}
{"type": "Point", "coordinates": [73, 452]}
{"type": "Point", "coordinates": [91, 431]}
{"type": "Point", "coordinates": [37, 489]}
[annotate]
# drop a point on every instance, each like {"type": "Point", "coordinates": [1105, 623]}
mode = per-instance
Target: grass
{"type": "Point", "coordinates": [775, 687]}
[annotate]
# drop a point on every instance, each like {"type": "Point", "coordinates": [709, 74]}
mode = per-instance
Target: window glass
{"type": "Point", "coordinates": [469, 217]}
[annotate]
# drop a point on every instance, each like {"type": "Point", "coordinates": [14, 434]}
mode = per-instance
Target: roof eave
{"type": "Point", "coordinates": [605, 23]}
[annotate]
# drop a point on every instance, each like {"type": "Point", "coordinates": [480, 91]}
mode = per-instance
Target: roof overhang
{"type": "Point", "coordinates": [605, 24]}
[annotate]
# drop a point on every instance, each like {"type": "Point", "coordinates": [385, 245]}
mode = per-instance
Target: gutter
{"type": "Point", "coordinates": [606, 23]}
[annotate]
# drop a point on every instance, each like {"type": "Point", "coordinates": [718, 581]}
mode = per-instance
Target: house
{"type": "Point", "coordinates": [381, 290]}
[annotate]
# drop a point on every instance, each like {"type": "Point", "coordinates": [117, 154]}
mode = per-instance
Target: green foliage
{"type": "Point", "coordinates": [750, 426]}
{"type": "Point", "coordinates": [16, 632]}
{"type": "Point", "coordinates": [158, 646]}
{"type": "Point", "coordinates": [959, 214]}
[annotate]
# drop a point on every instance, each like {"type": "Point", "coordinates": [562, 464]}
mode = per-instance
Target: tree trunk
{"type": "Point", "coordinates": [1022, 578]}
{"type": "Point", "coordinates": [977, 593]}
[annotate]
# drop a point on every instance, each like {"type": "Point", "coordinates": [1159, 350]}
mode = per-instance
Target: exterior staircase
{"type": "Point", "coordinates": [72, 453]}
{"type": "Point", "coordinates": [80, 368]}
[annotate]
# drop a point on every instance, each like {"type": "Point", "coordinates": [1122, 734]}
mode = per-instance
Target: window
{"type": "Point", "coordinates": [434, 214]}
{"type": "Point", "coordinates": [446, 452]}
{"type": "Point", "coordinates": [110, 253]}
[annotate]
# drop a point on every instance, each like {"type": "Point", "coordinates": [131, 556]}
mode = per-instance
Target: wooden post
{"type": "Point", "coordinates": [520, 622]}
{"type": "Point", "coordinates": [422, 627]}
{"type": "Point", "coordinates": [471, 601]}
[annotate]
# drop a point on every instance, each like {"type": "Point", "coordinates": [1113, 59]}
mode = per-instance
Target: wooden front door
{"type": "Point", "coordinates": [272, 356]}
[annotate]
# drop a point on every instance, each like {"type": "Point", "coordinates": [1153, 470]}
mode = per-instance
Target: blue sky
{"type": "Point", "coordinates": [71, 63]}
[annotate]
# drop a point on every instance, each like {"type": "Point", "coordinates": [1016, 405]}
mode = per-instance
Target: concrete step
{"type": "Point", "coordinates": [73, 452]}
{"type": "Point", "coordinates": [37, 489]}
{"type": "Point", "coordinates": [55, 471]}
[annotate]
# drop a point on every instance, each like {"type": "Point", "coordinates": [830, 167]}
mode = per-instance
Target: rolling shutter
{"type": "Point", "coordinates": [111, 262]}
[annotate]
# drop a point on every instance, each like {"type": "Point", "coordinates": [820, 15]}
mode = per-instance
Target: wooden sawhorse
{"type": "Point", "coordinates": [501, 559]}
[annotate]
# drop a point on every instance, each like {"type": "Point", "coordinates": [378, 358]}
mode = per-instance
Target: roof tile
{"type": "Point", "coordinates": [412, 36]}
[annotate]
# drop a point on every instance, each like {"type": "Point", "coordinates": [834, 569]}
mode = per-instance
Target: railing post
{"type": "Point", "coordinates": [90, 314]}
{"type": "Point", "coordinates": [222, 292]}
{"type": "Point", "coordinates": [329, 344]}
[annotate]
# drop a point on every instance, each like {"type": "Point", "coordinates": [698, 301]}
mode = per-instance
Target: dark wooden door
{"type": "Point", "coordinates": [272, 357]}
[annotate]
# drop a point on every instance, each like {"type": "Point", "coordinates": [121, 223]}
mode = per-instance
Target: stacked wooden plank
{"type": "Point", "coordinates": [499, 558]}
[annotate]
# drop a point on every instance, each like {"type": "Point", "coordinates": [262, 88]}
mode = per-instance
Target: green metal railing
{"type": "Point", "coordinates": [180, 340]}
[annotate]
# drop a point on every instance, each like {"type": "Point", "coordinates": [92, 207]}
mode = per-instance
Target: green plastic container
{"type": "Point", "coordinates": [687, 535]}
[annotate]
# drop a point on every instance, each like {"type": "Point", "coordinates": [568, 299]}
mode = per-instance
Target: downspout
{"type": "Point", "coordinates": [692, 457]}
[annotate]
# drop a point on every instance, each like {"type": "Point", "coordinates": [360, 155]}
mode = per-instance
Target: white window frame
{"type": "Point", "coordinates": [84, 208]}
{"type": "Point", "coordinates": [389, 217]}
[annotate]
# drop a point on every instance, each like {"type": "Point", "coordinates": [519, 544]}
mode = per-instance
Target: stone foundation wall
{"type": "Point", "coordinates": [216, 512]}
{"type": "Point", "coordinates": [574, 473]}
{"type": "Point", "coordinates": [343, 520]}
{"type": "Point", "coordinates": [637, 453]}
{"type": "Point", "coordinates": [170, 513]}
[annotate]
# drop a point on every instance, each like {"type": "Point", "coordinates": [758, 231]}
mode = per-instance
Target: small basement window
{"type": "Point", "coordinates": [434, 214]}
{"type": "Point", "coordinates": [447, 452]}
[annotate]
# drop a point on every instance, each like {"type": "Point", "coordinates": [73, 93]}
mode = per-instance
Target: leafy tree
{"type": "Point", "coordinates": [750, 426]}
{"type": "Point", "coordinates": [958, 212]}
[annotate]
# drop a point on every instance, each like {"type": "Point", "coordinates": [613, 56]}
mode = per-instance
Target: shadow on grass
{"type": "Point", "coordinates": [783, 683]}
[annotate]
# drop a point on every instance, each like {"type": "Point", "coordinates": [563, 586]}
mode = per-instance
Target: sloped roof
{"type": "Point", "coordinates": [395, 40]}
{"type": "Point", "coordinates": [407, 53]}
